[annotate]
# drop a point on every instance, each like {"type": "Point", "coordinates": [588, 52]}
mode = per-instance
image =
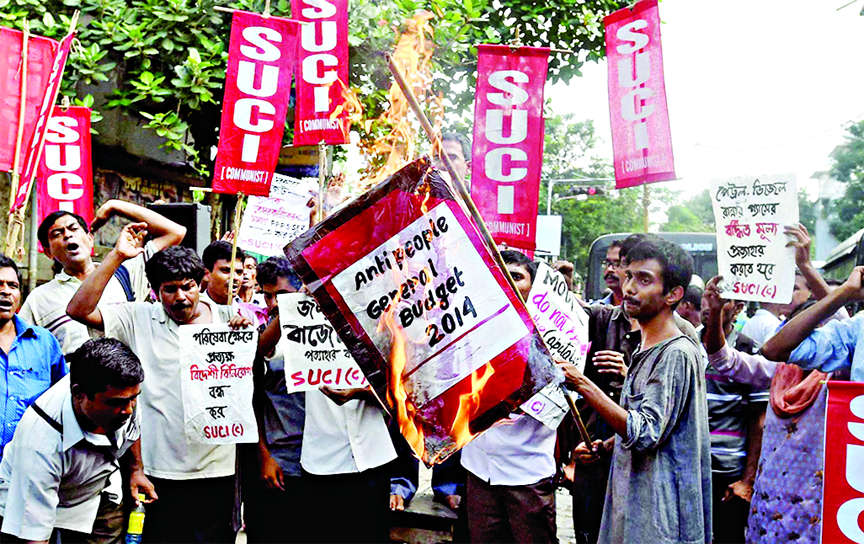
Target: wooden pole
{"type": "Point", "coordinates": [12, 231]}
{"type": "Point", "coordinates": [322, 185]}
{"type": "Point", "coordinates": [238, 212]}
{"type": "Point", "coordinates": [646, 203]}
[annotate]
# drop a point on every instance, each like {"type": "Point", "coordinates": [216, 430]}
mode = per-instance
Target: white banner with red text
{"type": "Point", "coordinates": [507, 155]}
{"type": "Point", "coordinates": [641, 137]}
{"type": "Point", "coordinates": [322, 72]}
{"type": "Point", "coordinates": [261, 59]}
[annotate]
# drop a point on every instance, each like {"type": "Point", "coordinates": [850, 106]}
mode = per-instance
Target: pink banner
{"type": "Point", "coordinates": [322, 72]}
{"type": "Point", "coordinates": [65, 177]}
{"type": "Point", "coordinates": [40, 58]}
{"type": "Point", "coordinates": [641, 139]}
{"type": "Point", "coordinates": [843, 493]}
{"type": "Point", "coordinates": [260, 61]}
{"type": "Point", "coordinates": [508, 141]}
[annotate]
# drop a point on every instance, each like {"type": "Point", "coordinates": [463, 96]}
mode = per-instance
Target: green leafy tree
{"type": "Point", "coordinates": [167, 57]}
{"type": "Point", "coordinates": [848, 216]}
{"type": "Point", "coordinates": [693, 215]}
{"type": "Point", "coordinates": [568, 154]}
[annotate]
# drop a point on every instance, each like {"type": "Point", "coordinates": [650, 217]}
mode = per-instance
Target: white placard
{"type": "Point", "coordinates": [269, 224]}
{"type": "Point", "coordinates": [216, 381]}
{"type": "Point", "coordinates": [453, 314]}
{"type": "Point", "coordinates": [314, 354]}
{"type": "Point", "coordinates": [283, 185]}
{"type": "Point", "coordinates": [750, 214]}
{"type": "Point", "coordinates": [563, 324]}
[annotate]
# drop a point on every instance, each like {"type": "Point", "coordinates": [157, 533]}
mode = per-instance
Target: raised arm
{"type": "Point", "coordinates": [84, 305]}
{"type": "Point", "coordinates": [713, 338]}
{"type": "Point", "coordinates": [164, 231]}
{"type": "Point", "coordinates": [815, 281]}
{"type": "Point", "coordinates": [793, 333]}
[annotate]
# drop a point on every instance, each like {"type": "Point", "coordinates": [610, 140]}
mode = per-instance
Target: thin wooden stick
{"type": "Point", "coordinates": [322, 185]}
{"type": "Point", "coordinates": [238, 212]}
{"type": "Point", "coordinates": [583, 431]}
{"type": "Point", "coordinates": [223, 9]}
{"type": "Point", "coordinates": [19, 138]}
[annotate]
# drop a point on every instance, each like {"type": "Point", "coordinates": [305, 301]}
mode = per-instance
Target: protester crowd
{"type": "Point", "coordinates": [703, 431]}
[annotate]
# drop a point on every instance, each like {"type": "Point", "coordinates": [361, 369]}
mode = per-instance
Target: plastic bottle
{"type": "Point", "coordinates": [136, 522]}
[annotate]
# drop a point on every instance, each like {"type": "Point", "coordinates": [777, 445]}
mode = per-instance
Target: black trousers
{"type": "Point", "coordinates": [187, 511]}
{"type": "Point", "coordinates": [511, 513]}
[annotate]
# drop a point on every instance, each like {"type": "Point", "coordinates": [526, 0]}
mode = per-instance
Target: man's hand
{"type": "Point", "coordinates": [271, 473]}
{"type": "Point", "coordinates": [712, 295]}
{"type": "Point", "coordinates": [741, 489]}
{"type": "Point", "coordinates": [228, 237]}
{"type": "Point", "coordinates": [397, 502]}
{"type": "Point", "coordinates": [801, 243]}
{"type": "Point", "coordinates": [102, 215]}
{"type": "Point", "coordinates": [130, 243]}
{"type": "Point", "coordinates": [610, 362]}
{"type": "Point", "coordinates": [341, 396]}
{"type": "Point", "coordinates": [453, 501]}
{"type": "Point", "coordinates": [572, 374]}
{"type": "Point", "coordinates": [139, 483]}
{"type": "Point", "coordinates": [584, 456]}
{"type": "Point", "coordinates": [239, 322]}
{"type": "Point", "coordinates": [852, 289]}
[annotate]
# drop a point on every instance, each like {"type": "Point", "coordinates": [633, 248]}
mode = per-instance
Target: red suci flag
{"type": "Point", "coordinates": [843, 491]}
{"type": "Point", "coordinates": [40, 59]}
{"type": "Point", "coordinates": [261, 59]}
{"type": "Point", "coordinates": [65, 175]}
{"type": "Point", "coordinates": [641, 138]}
{"type": "Point", "coordinates": [507, 155]}
{"type": "Point", "coordinates": [322, 72]}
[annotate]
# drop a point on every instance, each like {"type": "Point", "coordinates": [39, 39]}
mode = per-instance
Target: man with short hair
{"type": "Point", "coordinates": [458, 149]}
{"type": "Point", "coordinates": [68, 240]}
{"type": "Point", "coordinates": [61, 471]}
{"type": "Point", "coordinates": [611, 265]}
{"type": "Point", "coordinates": [511, 467]}
{"type": "Point", "coordinates": [660, 483]}
{"type": "Point", "coordinates": [196, 481]}
{"type": "Point", "coordinates": [217, 261]}
{"type": "Point", "coordinates": [30, 357]}
{"type": "Point", "coordinates": [691, 307]}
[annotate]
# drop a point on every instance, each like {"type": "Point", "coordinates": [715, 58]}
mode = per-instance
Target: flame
{"type": "Point", "coordinates": [396, 148]}
{"type": "Point", "coordinates": [468, 405]}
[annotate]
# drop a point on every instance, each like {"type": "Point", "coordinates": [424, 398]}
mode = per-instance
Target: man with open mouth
{"type": "Point", "coordinates": [68, 240]}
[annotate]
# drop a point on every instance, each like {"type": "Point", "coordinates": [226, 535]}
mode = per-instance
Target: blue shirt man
{"type": "Point", "coordinates": [31, 360]}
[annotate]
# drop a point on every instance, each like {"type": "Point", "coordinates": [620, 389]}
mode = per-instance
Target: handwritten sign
{"type": "Point", "coordinates": [269, 224]}
{"type": "Point", "coordinates": [314, 353]}
{"type": "Point", "coordinates": [752, 256]}
{"type": "Point", "coordinates": [283, 185]}
{"type": "Point", "coordinates": [415, 294]}
{"type": "Point", "coordinates": [563, 324]}
{"type": "Point", "coordinates": [216, 380]}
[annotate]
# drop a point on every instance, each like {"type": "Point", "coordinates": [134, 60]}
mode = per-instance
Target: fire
{"type": "Point", "coordinates": [468, 405]}
{"type": "Point", "coordinates": [393, 150]}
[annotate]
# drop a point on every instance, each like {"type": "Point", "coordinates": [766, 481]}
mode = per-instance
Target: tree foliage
{"type": "Point", "coordinates": [848, 167]}
{"type": "Point", "coordinates": [693, 215]}
{"type": "Point", "coordinates": [167, 57]}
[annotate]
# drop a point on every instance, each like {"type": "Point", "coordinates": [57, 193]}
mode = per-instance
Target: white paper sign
{"type": "Point", "coordinates": [563, 324]}
{"type": "Point", "coordinates": [216, 381]}
{"type": "Point", "coordinates": [454, 315]}
{"type": "Point", "coordinates": [314, 353]}
{"type": "Point", "coordinates": [283, 185]}
{"type": "Point", "coordinates": [269, 223]}
{"type": "Point", "coordinates": [752, 256]}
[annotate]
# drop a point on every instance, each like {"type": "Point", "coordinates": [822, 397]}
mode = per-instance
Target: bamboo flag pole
{"type": "Point", "coordinates": [238, 212]}
{"type": "Point", "coordinates": [463, 193]}
{"type": "Point", "coordinates": [11, 233]}
{"type": "Point", "coordinates": [322, 185]}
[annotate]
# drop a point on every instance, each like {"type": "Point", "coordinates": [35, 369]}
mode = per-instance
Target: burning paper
{"type": "Point", "coordinates": [416, 296]}
{"type": "Point", "coordinates": [216, 381]}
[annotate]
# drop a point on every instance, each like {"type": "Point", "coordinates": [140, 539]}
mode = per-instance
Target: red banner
{"type": "Point", "coordinates": [322, 72]}
{"type": "Point", "coordinates": [416, 296]}
{"type": "Point", "coordinates": [65, 177]}
{"type": "Point", "coordinates": [507, 155]}
{"type": "Point", "coordinates": [40, 58]}
{"type": "Point", "coordinates": [843, 495]}
{"type": "Point", "coordinates": [37, 139]}
{"type": "Point", "coordinates": [641, 139]}
{"type": "Point", "coordinates": [260, 61]}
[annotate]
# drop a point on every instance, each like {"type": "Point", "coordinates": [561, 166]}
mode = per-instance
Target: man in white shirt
{"type": "Point", "coordinates": [217, 262]}
{"type": "Point", "coordinates": [61, 471]}
{"type": "Point", "coordinates": [510, 492]}
{"type": "Point", "coordinates": [68, 240]}
{"type": "Point", "coordinates": [195, 481]}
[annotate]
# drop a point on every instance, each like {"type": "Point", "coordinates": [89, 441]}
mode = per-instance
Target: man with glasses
{"type": "Point", "coordinates": [611, 275]}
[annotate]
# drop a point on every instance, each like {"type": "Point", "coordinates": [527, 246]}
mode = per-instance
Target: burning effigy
{"type": "Point", "coordinates": [414, 292]}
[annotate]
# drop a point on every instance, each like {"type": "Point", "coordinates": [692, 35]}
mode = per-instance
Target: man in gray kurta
{"type": "Point", "coordinates": [660, 483]}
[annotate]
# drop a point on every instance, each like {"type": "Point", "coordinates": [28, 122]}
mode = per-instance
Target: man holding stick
{"type": "Point", "coordinates": [660, 482]}
{"type": "Point", "coordinates": [195, 482]}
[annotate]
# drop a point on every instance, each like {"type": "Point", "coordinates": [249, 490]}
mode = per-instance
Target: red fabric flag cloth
{"type": "Point", "coordinates": [641, 138]}
{"type": "Point", "coordinates": [507, 154]}
{"type": "Point", "coordinates": [322, 72]}
{"type": "Point", "coordinates": [65, 177]}
{"type": "Point", "coordinates": [843, 492]}
{"type": "Point", "coordinates": [40, 55]}
{"type": "Point", "coordinates": [261, 59]}
{"type": "Point", "coordinates": [415, 294]}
